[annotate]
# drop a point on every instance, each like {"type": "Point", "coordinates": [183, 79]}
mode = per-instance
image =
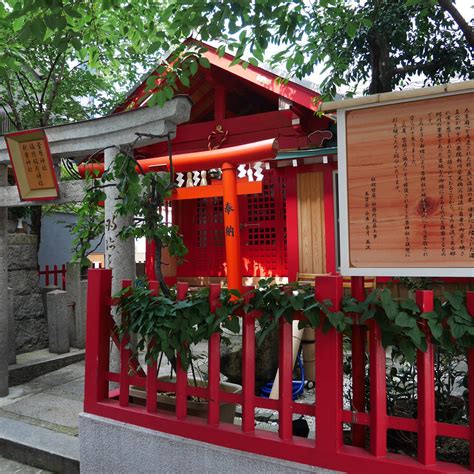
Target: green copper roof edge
{"type": "Point", "coordinates": [294, 155]}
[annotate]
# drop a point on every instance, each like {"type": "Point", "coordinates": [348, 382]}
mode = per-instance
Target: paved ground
{"type": "Point", "coordinates": [8, 466]}
{"type": "Point", "coordinates": [52, 401]}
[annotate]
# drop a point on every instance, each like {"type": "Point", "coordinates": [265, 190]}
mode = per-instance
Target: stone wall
{"type": "Point", "coordinates": [31, 330]}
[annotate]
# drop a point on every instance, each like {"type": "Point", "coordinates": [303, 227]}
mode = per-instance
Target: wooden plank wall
{"type": "Point", "coordinates": [311, 231]}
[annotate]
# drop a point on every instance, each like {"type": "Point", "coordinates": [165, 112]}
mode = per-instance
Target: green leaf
{"type": "Point", "coordinates": [351, 29]}
{"type": "Point", "coordinates": [405, 320]}
{"type": "Point", "coordinates": [204, 62]}
{"type": "Point", "coordinates": [193, 67]}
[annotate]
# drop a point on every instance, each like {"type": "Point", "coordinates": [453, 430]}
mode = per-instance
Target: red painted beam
{"type": "Point", "coordinates": [248, 153]}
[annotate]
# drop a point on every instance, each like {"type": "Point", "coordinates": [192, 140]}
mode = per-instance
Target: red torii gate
{"type": "Point", "coordinates": [227, 159]}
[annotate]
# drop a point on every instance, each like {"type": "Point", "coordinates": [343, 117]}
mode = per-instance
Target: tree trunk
{"type": "Point", "coordinates": [159, 273]}
{"type": "Point", "coordinates": [382, 71]}
{"type": "Point", "coordinates": [36, 216]}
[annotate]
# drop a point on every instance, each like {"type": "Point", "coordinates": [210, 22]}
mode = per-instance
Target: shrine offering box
{"type": "Point", "coordinates": [32, 165]}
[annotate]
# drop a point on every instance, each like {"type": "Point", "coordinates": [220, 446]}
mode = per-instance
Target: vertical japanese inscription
{"type": "Point", "coordinates": [410, 184]}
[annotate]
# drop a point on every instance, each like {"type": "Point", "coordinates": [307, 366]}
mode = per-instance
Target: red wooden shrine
{"type": "Point", "coordinates": [235, 106]}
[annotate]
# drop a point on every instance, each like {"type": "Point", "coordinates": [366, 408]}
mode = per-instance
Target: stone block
{"type": "Point", "coordinates": [24, 282]}
{"type": "Point", "coordinates": [22, 253]}
{"type": "Point", "coordinates": [58, 330]}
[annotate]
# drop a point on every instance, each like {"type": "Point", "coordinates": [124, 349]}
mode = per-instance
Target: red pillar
{"type": "Point", "coordinates": [329, 372]}
{"type": "Point", "coordinates": [426, 391]}
{"type": "Point", "coordinates": [150, 260]}
{"type": "Point", "coordinates": [231, 227]}
{"type": "Point", "coordinates": [292, 223]}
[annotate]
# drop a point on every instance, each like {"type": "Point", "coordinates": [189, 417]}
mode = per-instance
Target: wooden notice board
{"type": "Point", "coordinates": [32, 165]}
{"type": "Point", "coordinates": [407, 204]}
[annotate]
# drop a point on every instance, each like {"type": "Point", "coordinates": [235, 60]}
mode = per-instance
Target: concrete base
{"type": "Point", "coordinates": [109, 446]}
{"type": "Point", "coordinates": [39, 447]}
{"type": "Point", "coordinates": [37, 363]}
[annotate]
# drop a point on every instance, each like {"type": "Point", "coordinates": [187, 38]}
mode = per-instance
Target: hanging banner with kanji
{"type": "Point", "coordinates": [32, 165]}
{"type": "Point", "coordinates": [407, 193]}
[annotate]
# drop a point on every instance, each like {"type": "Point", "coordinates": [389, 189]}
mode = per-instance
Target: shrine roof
{"type": "Point", "coordinates": [257, 77]}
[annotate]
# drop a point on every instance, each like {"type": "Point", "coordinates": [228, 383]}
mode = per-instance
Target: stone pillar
{"type": "Point", "coordinates": [11, 330]}
{"type": "Point", "coordinates": [28, 308]}
{"type": "Point", "coordinates": [119, 254]}
{"type": "Point", "coordinates": [76, 306]}
{"type": "Point", "coordinates": [4, 317]}
{"type": "Point", "coordinates": [58, 330]}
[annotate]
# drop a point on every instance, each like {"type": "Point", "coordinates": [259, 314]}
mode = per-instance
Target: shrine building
{"type": "Point", "coordinates": [289, 228]}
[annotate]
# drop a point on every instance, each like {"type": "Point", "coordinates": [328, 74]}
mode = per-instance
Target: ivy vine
{"type": "Point", "coordinates": [175, 326]}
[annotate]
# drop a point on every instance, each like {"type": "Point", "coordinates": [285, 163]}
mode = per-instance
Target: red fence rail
{"type": "Point", "coordinates": [54, 275]}
{"type": "Point", "coordinates": [328, 448]}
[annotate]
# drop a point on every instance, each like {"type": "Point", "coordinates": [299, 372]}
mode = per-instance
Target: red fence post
{"type": "Point", "coordinates": [151, 371]}
{"type": "Point", "coordinates": [55, 275]}
{"type": "Point", "coordinates": [358, 363]}
{"type": "Point", "coordinates": [181, 374]}
{"type": "Point", "coordinates": [470, 381]}
{"type": "Point", "coordinates": [98, 337]}
{"type": "Point", "coordinates": [378, 392]}
{"type": "Point", "coordinates": [248, 370]}
{"type": "Point", "coordinates": [426, 390]}
{"type": "Point", "coordinates": [63, 277]}
{"type": "Point", "coordinates": [46, 273]}
{"type": "Point", "coordinates": [214, 380]}
{"type": "Point", "coordinates": [329, 371]}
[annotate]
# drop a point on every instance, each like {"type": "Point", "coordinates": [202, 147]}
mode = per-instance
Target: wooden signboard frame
{"type": "Point", "coordinates": [32, 164]}
{"type": "Point", "coordinates": [359, 261]}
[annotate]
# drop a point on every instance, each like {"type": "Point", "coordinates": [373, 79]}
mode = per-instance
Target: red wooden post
{"type": "Point", "coordinates": [358, 364]}
{"type": "Point", "coordinates": [248, 371]}
{"type": "Point", "coordinates": [151, 386]}
{"type": "Point", "coordinates": [329, 371]}
{"type": "Point", "coordinates": [470, 381]}
{"type": "Point", "coordinates": [125, 355]}
{"type": "Point", "coordinates": [98, 337]}
{"type": "Point", "coordinates": [150, 260]}
{"type": "Point", "coordinates": [329, 227]}
{"type": "Point", "coordinates": [63, 277]}
{"type": "Point", "coordinates": [232, 227]}
{"type": "Point", "coordinates": [292, 222]}
{"type": "Point", "coordinates": [426, 391]}
{"type": "Point", "coordinates": [378, 393]}
{"type": "Point", "coordinates": [181, 374]}
{"type": "Point", "coordinates": [55, 275]}
{"type": "Point", "coordinates": [285, 380]}
{"type": "Point", "coordinates": [214, 380]}
{"type": "Point", "coordinates": [46, 270]}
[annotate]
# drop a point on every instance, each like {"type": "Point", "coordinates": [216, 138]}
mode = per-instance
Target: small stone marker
{"type": "Point", "coordinates": [58, 330]}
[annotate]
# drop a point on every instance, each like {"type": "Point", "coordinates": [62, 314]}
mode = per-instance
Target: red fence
{"type": "Point", "coordinates": [54, 275]}
{"type": "Point", "coordinates": [328, 448]}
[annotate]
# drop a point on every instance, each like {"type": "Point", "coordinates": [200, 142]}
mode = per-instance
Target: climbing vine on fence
{"type": "Point", "coordinates": [175, 326]}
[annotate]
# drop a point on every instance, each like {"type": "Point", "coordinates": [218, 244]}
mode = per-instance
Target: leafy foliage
{"type": "Point", "coordinates": [166, 325]}
{"type": "Point", "coordinates": [175, 325]}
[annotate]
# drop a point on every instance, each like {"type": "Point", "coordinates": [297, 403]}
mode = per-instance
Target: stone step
{"type": "Point", "coordinates": [34, 364]}
{"type": "Point", "coordinates": [39, 447]}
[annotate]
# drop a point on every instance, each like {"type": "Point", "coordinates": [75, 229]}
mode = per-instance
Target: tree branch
{"type": "Point", "coordinates": [12, 105]}
{"type": "Point", "coordinates": [25, 93]}
{"type": "Point", "coordinates": [31, 85]}
{"type": "Point", "coordinates": [448, 6]}
{"type": "Point", "coordinates": [48, 78]}
{"type": "Point", "coordinates": [10, 118]}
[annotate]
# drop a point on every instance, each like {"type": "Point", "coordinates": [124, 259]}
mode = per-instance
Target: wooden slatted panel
{"type": "Point", "coordinates": [311, 232]}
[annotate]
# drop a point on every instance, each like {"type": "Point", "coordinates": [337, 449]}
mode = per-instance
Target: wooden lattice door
{"type": "Point", "coordinates": [263, 233]}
